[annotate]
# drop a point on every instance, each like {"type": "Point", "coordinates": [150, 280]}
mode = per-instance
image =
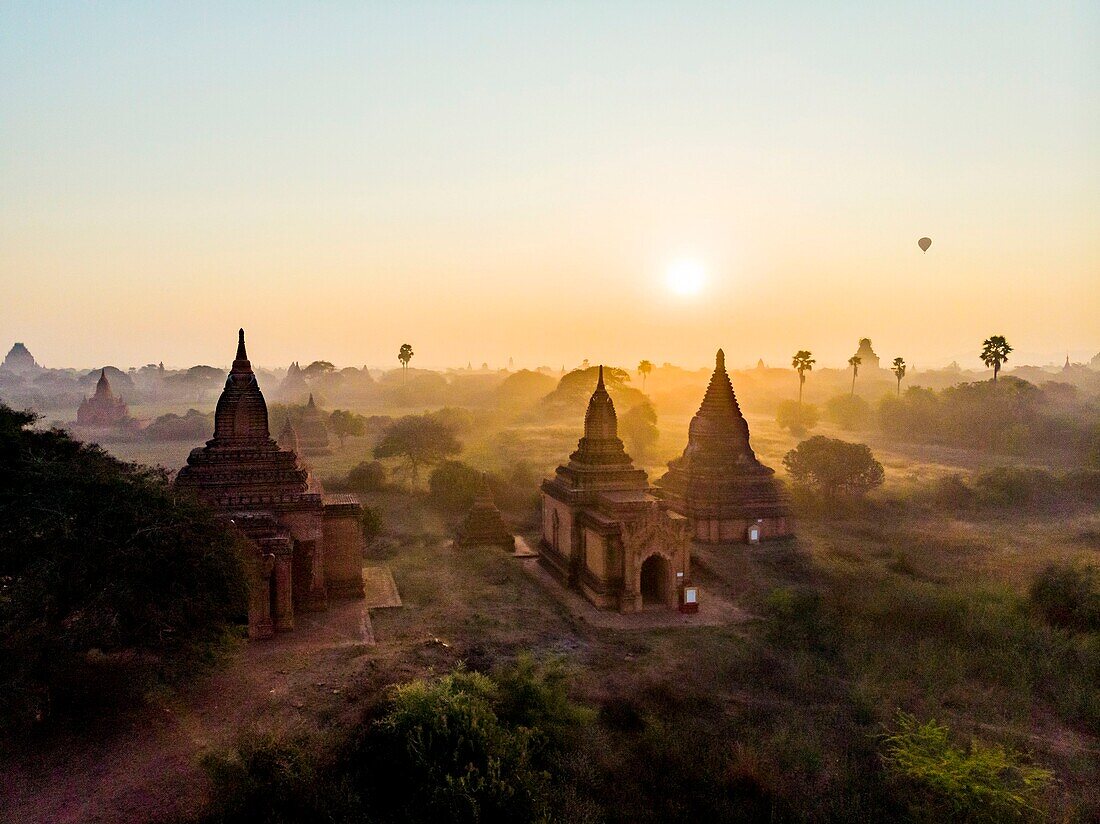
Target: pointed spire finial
{"type": "Point", "coordinates": [599, 383]}
{"type": "Point", "coordinates": [720, 360]}
{"type": "Point", "coordinates": [241, 354]}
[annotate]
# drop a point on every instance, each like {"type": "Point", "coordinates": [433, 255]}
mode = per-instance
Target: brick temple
{"type": "Point", "coordinates": [604, 532]}
{"type": "Point", "coordinates": [306, 546]}
{"type": "Point", "coordinates": [104, 408]}
{"type": "Point", "coordinates": [718, 483]}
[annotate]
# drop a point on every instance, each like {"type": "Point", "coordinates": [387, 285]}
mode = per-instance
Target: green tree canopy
{"type": "Point", "coordinates": [417, 441]}
{"type": "Point", "coordinates": [110, 581]}
{"type": "Point", "coordinates": [834, 467]}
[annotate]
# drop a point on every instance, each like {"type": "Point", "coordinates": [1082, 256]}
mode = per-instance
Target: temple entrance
{"type": "Point", "coordinates": [656, 581]}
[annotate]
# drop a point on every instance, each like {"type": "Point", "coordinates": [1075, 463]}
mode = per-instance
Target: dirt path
{"type": "Point", "coordinates": [147, 768]}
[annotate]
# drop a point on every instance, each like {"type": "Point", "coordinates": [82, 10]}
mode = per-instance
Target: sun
{"type": "Point", "coordinates": [686, 277]}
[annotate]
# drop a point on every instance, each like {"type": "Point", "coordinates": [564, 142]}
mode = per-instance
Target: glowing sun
{"type": "Point", "coordinates": [685, 277]}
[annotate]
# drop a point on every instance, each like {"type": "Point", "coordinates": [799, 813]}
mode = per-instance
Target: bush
{"type": "Point", "coordinates": [372, 524]}
{"type": "Point", "coordinates": [453, 485]}
{"type": "Point", "coordinates": [797, 619]}
{"type": "Point", "coordinates": [1013, 485]}
{"type": "Point", "coordinates": [368, 476]}
{"type": "Point", "coordinates": [833, 467]}
{"type": "Point", "coordinates": [849, 412]}
{"type": "Point", "coordinates": [1068, 596]}
{"type": "Point", "coordinates": [981, 783]}
{"type": "Point", "coordinates": [798, 418]}
{"type": "Point", "coordinates": [638, 427]}
{"type": "Point", "coordinates": [111, 581]}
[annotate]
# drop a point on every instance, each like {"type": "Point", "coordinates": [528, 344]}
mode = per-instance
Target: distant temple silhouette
{"type": "Point", "coordinates": [103, 409]}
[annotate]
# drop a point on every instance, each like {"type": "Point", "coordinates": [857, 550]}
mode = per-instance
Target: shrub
{"type": "Point", "coordinates": [833, 467]}
{"type": "Point", "coordinates": [1013, 485]}
{"type": "Point", "coordinates": [372, 524]}
{"type": "Point", "coordinates": [798, 418]}
{"type": "Point", "coordinates": [1068, 596]}
{"type": "Point", "coordinates": [797, 619]}
{"type": "Point", "coordinates": [981, 783]}
{"type": "Point", "coordinates": [443, 753]}
{"type": "Point", "coordinates": [368, 476]}
{"type": "Point", "coordinates": [638, 428]}
{"type": "Point", "coordinates": [849, 412]}
{"type": "Point", "coordinates": [453, 485]}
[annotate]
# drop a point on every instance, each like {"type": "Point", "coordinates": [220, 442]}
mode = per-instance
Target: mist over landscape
{"type": "Point", "coordinates": [549, 413]}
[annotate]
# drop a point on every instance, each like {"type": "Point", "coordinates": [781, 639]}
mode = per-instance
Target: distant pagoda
{"type": "Point", "coordinates": [867, 357]}
{"type": "Point", "coordinates": [103, 409]}
{"type": "Point", "coordinates": [483, 525]}
{"type": "Point", "coordinates": [312, 431]}
{"type": "Point", "coordinates": [19, 360]}
{"type": "Point", "coordinates": [718, 483]}
{"type": "Point", "coordinates": [294, 384]}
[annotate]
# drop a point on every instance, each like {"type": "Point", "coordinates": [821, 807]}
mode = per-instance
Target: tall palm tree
{"type": "Point", "coordinates": [644, 368]}
{"type": "Point", "coordinates": [404, 354]}
{"type": "Point", "coordinates": [995, 351]}
{"type": "Point", "coordinates": [854, 362]}
{"type": "Point", "coordinates": [899, 372]}
{"type": "Point", "coordinates": [803, 362]}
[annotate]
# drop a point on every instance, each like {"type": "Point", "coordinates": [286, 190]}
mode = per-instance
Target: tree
{"type": "Point", "coordinates": [344, 423]}
{"type": "Point", "coordinates": [110, 581]}
{"type": "Point", "coordinates": [368, 476]}
{"type": "Point", "coordinates": [405, 354]}
{"type": "Point", "coordinates": [418, 441]}
{"type": "Point", "coordinates": [994, 352]}
{"type": "Point", "coordinates": [318, 368]}
{"type": "Point", "coordinates": [854, 362]}
{"type": "Point", "coordinates": [803, 362]}
{"type": "Point", "coordinates": [899, 371]}
{"type": "Point", "coordinates": [453, 485]}
{"type": "Point", "coordinates": [639, 428]}
{"type": "Point", "coordinates": [834, 467]}
{"type": "Point", "coordinates": [644, 368]}
{"type": "Point", "coordinates": [848, 412]}
{"type": "Point", "coordinates": [796, 417]}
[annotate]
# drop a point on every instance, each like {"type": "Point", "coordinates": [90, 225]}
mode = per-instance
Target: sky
{"type": "Point", "coordinates": [517, 180]}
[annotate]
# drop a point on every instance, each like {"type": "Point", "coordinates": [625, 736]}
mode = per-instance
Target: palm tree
{"type": "Point", "coordinates": [404, 354]}
{"type": "Point", "coordinates": [995, 351]}
{"type": "Point", "coordinates": [854, 362]}
{"type": "Point", "coordinates": [899, 372]}
{"type": "Point", "coordinates": [803, 362]}
{"type": "Point", "coordinates": [644, 368]}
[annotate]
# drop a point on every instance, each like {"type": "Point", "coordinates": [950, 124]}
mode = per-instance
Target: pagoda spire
{"type": "Point", "coordinates": [241, 364]}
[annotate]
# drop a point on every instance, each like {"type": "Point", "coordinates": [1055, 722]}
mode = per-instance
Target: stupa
{"type": "Point", "coordinates": [718, 483]}
{"type": "Point", "coordinates": [483, 525]}
{"type": "Point", "coordinates": [312, 431]}
{"type": "Point", "coordinates": [867, 357]}
{"type": "Point", "coordinates": [19, 360]}
{"type": "Point", "coordinates": [103, 409]}
{"type": "Point", "coordinates": [603, 530]}
{"type": "Point", "coordinates": [294, 384]}
{"type": "Point", "coordinates": [305, 546]}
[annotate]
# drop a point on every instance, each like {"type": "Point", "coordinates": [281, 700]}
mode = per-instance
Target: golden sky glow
{"type": "Point", "coordinates": [516, 180]}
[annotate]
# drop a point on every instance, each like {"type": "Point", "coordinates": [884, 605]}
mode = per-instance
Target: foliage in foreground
{"type": "Point", "coordinates": [981, 783]}
{"type": "Point", "coordinates": [109, 581]}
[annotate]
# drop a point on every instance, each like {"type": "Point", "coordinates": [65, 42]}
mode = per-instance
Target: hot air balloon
{"type": "Point", "coordinates": [924, 243]}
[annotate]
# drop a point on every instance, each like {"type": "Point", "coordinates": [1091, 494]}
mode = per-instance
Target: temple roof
{"type": "Point", "coordinates": [601, 444]}
{"type": "Point", "coordinates": [103, 386]}
{"type": "Point", "coordinates": [241, 414]}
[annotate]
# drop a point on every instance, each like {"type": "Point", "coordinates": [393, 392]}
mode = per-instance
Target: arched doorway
{"type": "Point", "coordinates": [656, 581]}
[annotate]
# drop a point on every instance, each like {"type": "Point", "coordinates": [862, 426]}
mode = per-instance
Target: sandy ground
{"type": "Point", "coordinates": [147, 768]}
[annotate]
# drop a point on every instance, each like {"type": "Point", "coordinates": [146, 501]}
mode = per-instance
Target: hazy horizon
{"type": "Point", "coordinates": [498, 181]}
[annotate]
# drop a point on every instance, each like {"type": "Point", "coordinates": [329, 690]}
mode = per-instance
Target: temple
{"type": "Point", "coordinates": [103, 409]}
{"type": "Point", "coordinates": [19, 360]}
{"type": "Point", "coordinates": [305, 546]}
{"type": "Point", "coordinates": [294, 384]}
{"type": "Point", "coordinates": [867, 357]}
{"type": "Point", "coordinates": [312, 431]}
{"type": "Point", "coordinates": [603, 531]}
{"type": "Point", "coordinates": [483, 525]}
{"type": "Point", "coordinates": [718, 484]}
